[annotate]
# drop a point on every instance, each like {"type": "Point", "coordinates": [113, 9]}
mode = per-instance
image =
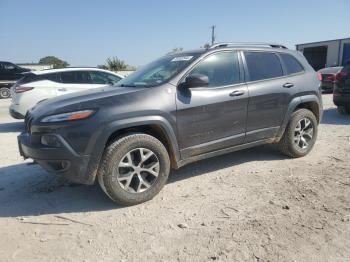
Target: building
{"type": "Point", "coordinates": [326, 53]}
{"type": "Point", "coordinates": [36, 67]}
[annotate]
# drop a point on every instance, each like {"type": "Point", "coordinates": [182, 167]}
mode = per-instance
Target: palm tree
{"type": "Point", "coordinates": [115, 64]}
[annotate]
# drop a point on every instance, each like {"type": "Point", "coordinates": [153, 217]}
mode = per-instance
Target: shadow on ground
{"type": "Point", "coordinates": [331, 116]}
{"type": "Point", "coordinates": [27, 190]}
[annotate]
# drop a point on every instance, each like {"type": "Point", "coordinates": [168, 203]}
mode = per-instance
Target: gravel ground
{"type": "Point", "coordinates": [252, 205]}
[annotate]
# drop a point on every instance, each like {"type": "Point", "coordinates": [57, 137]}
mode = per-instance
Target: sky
{"type": "Point", "coordinates": [86, 33]}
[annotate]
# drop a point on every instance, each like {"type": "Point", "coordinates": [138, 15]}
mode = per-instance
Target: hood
{"type": "Point", "coordinates": [80, 100]}
{"type": "Point", "coordinates": [25, 70]}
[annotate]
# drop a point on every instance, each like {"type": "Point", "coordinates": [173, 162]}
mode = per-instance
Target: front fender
{"type": "Point", "coordinates": [117, 125]}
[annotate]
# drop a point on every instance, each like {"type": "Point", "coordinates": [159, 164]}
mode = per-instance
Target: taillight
{"type": "Point", "coordinates": [21, 89]}
{"type": "Point", "coordinates": [340, 75]}
{"type": "Point", "coordinates": [319, 76]}
{"type": "Point", "coordinates": [330, 78]}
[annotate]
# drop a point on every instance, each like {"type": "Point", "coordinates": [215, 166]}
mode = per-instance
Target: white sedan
{"type": "Point", "coordinates": [37, 86]}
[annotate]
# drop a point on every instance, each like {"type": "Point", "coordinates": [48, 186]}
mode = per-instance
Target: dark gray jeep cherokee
{"type": "Point", "coordinates": [178, 109]}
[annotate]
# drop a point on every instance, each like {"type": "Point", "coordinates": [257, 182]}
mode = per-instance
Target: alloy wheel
{"type": "Point", "coordinates": [303, 133]}
{"type": "Point", "coordinates": [138, 170]}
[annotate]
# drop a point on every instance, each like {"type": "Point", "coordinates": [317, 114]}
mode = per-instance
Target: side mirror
{"type": "Point", "coordinates": [196, 80]}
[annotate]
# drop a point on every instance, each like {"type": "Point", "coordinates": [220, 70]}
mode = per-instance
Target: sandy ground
{"type": "Point", "coordinates": [253, 205]}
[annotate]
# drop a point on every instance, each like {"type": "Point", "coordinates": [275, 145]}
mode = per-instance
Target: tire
{"type": "Point", "coordinates": [289, 145]}
{"type": "Point", "coordinates": [344, 110]}
{"type": "Point", "coordinates": [123, 157]}
{"type": "Point", "coordinates": [5, 92]}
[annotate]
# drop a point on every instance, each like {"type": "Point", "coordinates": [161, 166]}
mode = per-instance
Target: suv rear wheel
{"type": "Point", "coordinates": [134, 169]}
{"type": "Point", "coordinates": [300, 135]}
{"type": "Point", "coordinates": [344, 110]}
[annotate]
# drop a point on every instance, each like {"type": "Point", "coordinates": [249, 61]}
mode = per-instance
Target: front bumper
{"type": "Point", "coordinates": [14, 113]}
{"type": "Point", "coordinates": [61, 160]}
{"type": "Point", "coordinates": [341, 99]}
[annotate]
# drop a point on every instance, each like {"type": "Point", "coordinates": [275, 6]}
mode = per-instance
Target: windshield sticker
{"type": "Point", "coordinates": [182, 58]}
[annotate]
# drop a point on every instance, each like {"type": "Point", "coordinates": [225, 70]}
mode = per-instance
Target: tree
{"type": "Point", "coordinates": [102, 67]}
{"type": "Point", "coordinates": [115, 64]}
{"type": "Point", "coordinates": [52, 60]}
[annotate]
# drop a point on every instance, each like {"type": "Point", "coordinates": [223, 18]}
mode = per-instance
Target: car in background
{"type": "Point", "coordinates": [41, 85]}
{"type": "Point", "coordinates": [341, 93]}
{"type": "Point", "coordinates": [327, 77]}
{"type": "Point", "coordinates": [9, 73]}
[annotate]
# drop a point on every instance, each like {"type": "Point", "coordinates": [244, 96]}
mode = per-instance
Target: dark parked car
{"type": "Point", "coordinates": [327, 77]}
{"type": "Point", "coordinates": [341, 93]}
{"type": "Point", "coordinates": [9, 73]}
{"type": "Point", "coordinates": [181, 108]}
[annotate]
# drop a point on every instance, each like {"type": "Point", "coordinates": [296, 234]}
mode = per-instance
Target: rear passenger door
{"type": "Point", "coordinates": [270, 92]}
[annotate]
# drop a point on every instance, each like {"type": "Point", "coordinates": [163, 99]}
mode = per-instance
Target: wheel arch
{"type": "Point", "coordinates": [155, 126]}
{"type": "Point", "coordinates": [310, 102]}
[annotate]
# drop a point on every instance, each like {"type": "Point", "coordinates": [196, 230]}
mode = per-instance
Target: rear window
{"type": "Point", "coordinates": [28, 78]}
{"type": "Point", "coordinates": [291, 64]}
{"type": "Point", "coordinates": [263, 65]}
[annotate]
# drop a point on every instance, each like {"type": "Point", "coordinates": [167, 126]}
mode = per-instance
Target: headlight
{"type": "Point", "coordinates": [71, 116]}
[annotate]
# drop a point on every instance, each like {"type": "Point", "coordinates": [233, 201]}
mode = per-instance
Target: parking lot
{"type": "Point", "coordinates": [254, 205]}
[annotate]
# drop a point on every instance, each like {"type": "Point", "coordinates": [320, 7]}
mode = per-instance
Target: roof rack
{"type": "Point", "coordinates": [228, 44]}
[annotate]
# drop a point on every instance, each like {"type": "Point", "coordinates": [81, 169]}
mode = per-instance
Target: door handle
{"type": "Point", "coordinates": [237, 93]}
{"type": "Point", "coordinates": [62, 89]}
{"type": "Point", "coordinates": [288, 85]}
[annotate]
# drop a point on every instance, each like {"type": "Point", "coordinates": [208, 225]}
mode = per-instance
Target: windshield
{"type": "Point", "coordinates": [159, 71]}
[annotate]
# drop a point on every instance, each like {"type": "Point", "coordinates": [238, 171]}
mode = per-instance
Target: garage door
{"type": "Point", "coordinates": [316, 56]}
{"type": "Point", "coordinates": [346, 53]}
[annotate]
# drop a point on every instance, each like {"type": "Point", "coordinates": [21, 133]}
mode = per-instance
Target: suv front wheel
{"type": "Point", "coordinates": [134, 169]}
{"type": "Point", "coordinates": [300, 135]}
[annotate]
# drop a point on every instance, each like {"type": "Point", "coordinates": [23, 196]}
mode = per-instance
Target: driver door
{"type": "Point", "coordinates": [213, 117]}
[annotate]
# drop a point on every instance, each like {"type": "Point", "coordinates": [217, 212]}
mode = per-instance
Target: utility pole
{"type": "Point", "coordinates": [213, 34]}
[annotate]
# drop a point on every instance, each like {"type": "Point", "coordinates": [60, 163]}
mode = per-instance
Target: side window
{"type": "Point", "coordinates": [103, 78]}
{"type": "Point", "coordinates": [51, 77]}
{"type": "Point", "coordinates": [221, 68]}
{"type": "Point", "coordinates": [68, 77]}
{"type": "Point", "coordinates": [9, 66]}
{"type": "Point", "coordinates": [112, 78]}
{"type": "Point", "coordinates": [263, 65]}
{"type": "Point", "coordinates": [291, 64]}
{"type": "Point", "coordinates": [98, 78]}
{"type": "Point", "coordinates": [75, 77]}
